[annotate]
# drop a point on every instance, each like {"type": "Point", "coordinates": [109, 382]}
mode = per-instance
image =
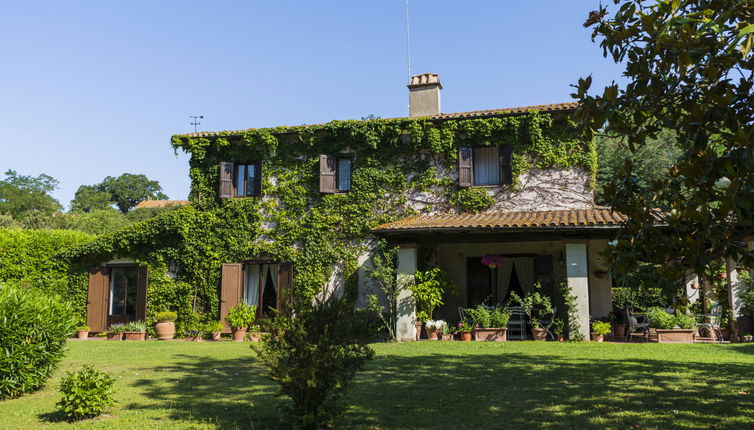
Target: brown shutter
{"type": "Point", "coordinates": [231, 290]}
{"type": "Point", "coordinates": [327, 169]}
{"type": "Point", "coordinates": [226, 180]}
{"type": "Point", "coordinates": [285, 292]}
{"type": "Point", "coordinates": [506, 164]}
{"type": "Point", "coordinates": [141, 294]}
{"type": "Point", "coordinates": [258, 179]}
{"type": "Point", "coordinates": [97, 300]}
{"type": "Point", "coordinates": [465, 167]}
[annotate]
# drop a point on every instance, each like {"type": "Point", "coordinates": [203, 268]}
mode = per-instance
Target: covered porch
{"type": "Point", "coordinates": [538, 248]}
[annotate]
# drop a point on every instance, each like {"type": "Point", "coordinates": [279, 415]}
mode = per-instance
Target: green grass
{"type": "Point", "coordinates": [425, 385]}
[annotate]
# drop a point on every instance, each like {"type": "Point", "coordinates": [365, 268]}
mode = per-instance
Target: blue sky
{"type": "Point", "coordinates": [96, 88]}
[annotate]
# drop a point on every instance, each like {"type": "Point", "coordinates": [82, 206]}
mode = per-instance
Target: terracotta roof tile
{"type": "Point", "coordinates": [549, 108]}
{"type": "Point", "coordinates": [160, 203]}
{"type": "Point", "coordinates": [597, 217]}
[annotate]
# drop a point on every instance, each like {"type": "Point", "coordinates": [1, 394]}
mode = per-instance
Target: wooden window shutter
{"type": "Point", "coordinates": [226, 180]}
{"type": "Point", "coordinates": [327, 178]}
{"type": "Point", "coordinates": [141, 294]}
{"type": "Point", "coordinates": [506, 164]}
{"type": "Point", "coordinates": [258, 179]}
{"type": "Point", "coordinates": [231, 290]}
{"type": "Point", "coordinates": [97, 300]}
{"type": "Point", "coordinates": [465, 167]}
{"type": "Point", "coordinates": [285, 290]}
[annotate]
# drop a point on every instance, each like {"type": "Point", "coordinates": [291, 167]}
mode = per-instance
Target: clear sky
{"type": "Point", "coordinates": [96, 88]}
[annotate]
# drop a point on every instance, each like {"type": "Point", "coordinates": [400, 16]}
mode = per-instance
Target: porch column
{"type": "Point", "coordinates": [406, 324]}
{"type": "Point", "coordinates": [578, 280]}
{"type": "Point", "coordinates": [733, 297]}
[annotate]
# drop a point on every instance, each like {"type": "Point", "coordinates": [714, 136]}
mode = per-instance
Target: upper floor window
{"type": "Point", "coordinates": [240, 180]}
{"type": "Point", "coordinates": [335, 173]}
{"type": "Point", "coordinates": [485, 166]}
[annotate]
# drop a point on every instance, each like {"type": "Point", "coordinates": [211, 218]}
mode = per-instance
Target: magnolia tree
{"type": "Point", "coordinates": [688, 66]}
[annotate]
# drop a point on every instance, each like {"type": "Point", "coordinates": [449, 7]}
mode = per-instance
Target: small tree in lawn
{"type": "Point", "coordinates": [428, 289]}
{"type": "Point", "coordinates": [315, 355]}
{"type": "Point", "coordinates": [385, 275]}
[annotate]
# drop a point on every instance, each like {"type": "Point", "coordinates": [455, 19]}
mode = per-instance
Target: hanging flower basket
{"type": "Point", "coordinates": [492, 260]}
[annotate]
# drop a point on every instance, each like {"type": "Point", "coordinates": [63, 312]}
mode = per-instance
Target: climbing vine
{"type": "Point", "coordinates": [400, 166]}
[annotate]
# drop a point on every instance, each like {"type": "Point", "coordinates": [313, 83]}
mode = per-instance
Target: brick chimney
{"type": "Point", "coordinates": [424, 95]}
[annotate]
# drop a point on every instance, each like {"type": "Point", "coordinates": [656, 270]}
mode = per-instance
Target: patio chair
{"type": "Point", "coordinates": [711, 323]}
{"type": "Point", "coordinates": [517, 324]}
{"type": "Point", "coordinates": [461, 313]}
{"type": "Point", "coordinates": [636, 323]}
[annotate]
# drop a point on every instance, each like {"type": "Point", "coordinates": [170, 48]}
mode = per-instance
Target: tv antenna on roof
{"type": "Point", "coordinates": [195, 121]}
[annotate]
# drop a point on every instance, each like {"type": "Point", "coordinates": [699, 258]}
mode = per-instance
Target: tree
{"type": "Point", "coordinates": [652, 162]}
{"type": "Point", "coordinates": [689, 69]}
{"type": "Point", "coordinates": [127, 190]}
{"type": "Point", "coordinates": [89, 198]}
{"type": "Point", "coordinates": [26, 198]}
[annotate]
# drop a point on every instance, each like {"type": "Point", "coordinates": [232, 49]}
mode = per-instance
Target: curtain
{"type": "Point", "coordinates": [525, 272]}
{"type": "Point", "coordinates": [271, 271]}
{"type": "Point", "coordinates": [486, 166]}
{"type": "Point", "coordinates": [504, 278]}
{"type": "Point", "coordinates": [251, 285]}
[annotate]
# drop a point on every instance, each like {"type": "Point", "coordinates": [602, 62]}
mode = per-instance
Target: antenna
{"type": "Point", "coordinates": [195, 122]}
{"type": "Point", "coordinates": [408, 42]}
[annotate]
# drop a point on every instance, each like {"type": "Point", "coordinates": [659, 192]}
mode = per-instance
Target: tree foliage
{"type": "Point", "coordinates": [26, 199]}
{"type": "Point", "coordinates": [689, 69]}
{"type": "Point", "coordinates": [89, 198]}
{"type": "Point", "coordinates": [126, 191]}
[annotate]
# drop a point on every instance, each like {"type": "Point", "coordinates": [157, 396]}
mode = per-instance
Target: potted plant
{"type": "Point", "coordinates": [537, 308]}
{"type": "Point", "coordinates": [490, 324]}
{"type": "Point", "coordinates": [619, 323]}
{"type": "Point", "coordinates": [215, 328]}
{"type": "Point", "coordinates": [444, 330]}
{"type": "Point", "coordinates": [255, 333]}
{"type": "Point", "coordinates": [165, 327]}
{"type": "Point", "coordinates": [433, 333]}
{"type": "Point", "coordinates": [115, 331]}
{"type": "Point", "coordinates": [428, 289]}
{"type": "Point", "coordinates": [196, 333]}
{"type": "Point", "coordinates": [671, 328]}
{"type": "Point", "coordinates": [599, 330]}
{"type": "Point", "coordinates": [464, 328]}
{"type": "Point", "coordinates": [558, 329]}
{"type": "Point", "coordinates": [82, 332]}
{"type": "Point", "coordinates": [135, 330]}
{"type": "Point", "coordinates": [239, 319]}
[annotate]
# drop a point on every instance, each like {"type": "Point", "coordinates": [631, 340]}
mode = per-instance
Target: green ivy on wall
{"type": "Point", "coordinates": [294, 222]}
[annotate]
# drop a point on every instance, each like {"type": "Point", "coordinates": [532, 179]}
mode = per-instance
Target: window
{"type": "Point", "coordinates": [123, 290]}
{"type": "Point", "coordinates": [240, 180]}
{"type": "Point", "coordinates": [335, 173]}
{"type": "Point", "coordinates": [485, 166]}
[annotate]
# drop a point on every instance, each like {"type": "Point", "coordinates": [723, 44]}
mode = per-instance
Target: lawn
{"type": "Point", "coordinates": [425, 385]}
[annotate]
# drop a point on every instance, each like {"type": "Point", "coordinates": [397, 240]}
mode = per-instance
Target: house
{"type": "Point", "coordinates": [285, 212]}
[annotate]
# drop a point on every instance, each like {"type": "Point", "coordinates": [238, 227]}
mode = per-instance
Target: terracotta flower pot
{"type": "Point", "coordinates": [419, 326]}
{"type": "Point", "coordinates": [491, 334]}
{"type": "Point", "coordinates": [433, 333]}
{"type": "Point", "coordinates": [466, 336]}
{"type": "Point", "coordinates": [676, 335]}
{"type": "Point", "coordinates": [598, 337]}
{"type": "Point", "coordinates": [165, 330]}
{"type": "Point", "coordinates": [447, 336]}
{"type": "Point", "coordinates": [216, 336]}
{"type": "Point", "coordinates": [239, 334]}
{"type": "Point", "coordinates": [115, 336]}
{"type": "Point", "coordinates": [561, 338]}
{"type": "Point", "coordinates": [82, 334]}
{"type": "Point", "coordinates": [539, 333]}
{"type": "Point", "coordinates": [136, 335]}
{"type": "Point", "coordinates": [254, 337]}
{"type": "Point", "coordinates": [197, 338]}
{"type": "Point", "coordinates": [619, 329]}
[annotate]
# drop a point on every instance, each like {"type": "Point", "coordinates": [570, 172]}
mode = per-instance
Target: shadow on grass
{"type": "Point", "coordinates": [479, 388]}
{"type": "Point", "coordinates": [228, 393]}
{"type": "Point", "coordinates": [514, 390]}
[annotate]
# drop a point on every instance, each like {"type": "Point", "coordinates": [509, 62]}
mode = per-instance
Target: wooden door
{"type": "Point", "coordinates": [231, 290]}
{"type": "Point", "coordinates": [98, 299]}
{"type": "Point", "coordinates": [478, 287]}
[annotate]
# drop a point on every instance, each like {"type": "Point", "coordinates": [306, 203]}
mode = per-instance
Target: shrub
{"type": "Point", "coordinates": [214, 327]}
{"type": "Point", "coordinates": [499, 317]}
{"type": "Point", "coordinates": [684, 321]}
{"type": "Point", "coordinates": [315, 355]}
{"type": "Point", "coordinates": [86, 393]}
{"type": "Point", "coordinates": [601, 327]}
{"type": "Point", "coordinates": [481, 316]}
{"type": "Point", "coordinates": [428, 289]}
{"type": "Point", "coordinates": [472, 200]}
{"type": "Point", "coordinates": [135, 326]}
{"type": "Point", "coordinates": [659, 318]}
{"type": "Point", "coordinates": [166, 316]}
{"type": "Point", "coordinates": [639, 298]}
{"type": "Point", "coordinates": [32, 338]}
{"type": "Point", "coordinates": [241, 315]}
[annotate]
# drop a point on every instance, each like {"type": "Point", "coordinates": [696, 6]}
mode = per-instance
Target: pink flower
{"type": "Point", "coordinates": [477, 326]}
{"type": "Point", "coordinates": [492, 260]}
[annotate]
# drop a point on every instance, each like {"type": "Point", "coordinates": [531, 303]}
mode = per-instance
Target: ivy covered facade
{"type": "Point", "coordinates": [283, 213]}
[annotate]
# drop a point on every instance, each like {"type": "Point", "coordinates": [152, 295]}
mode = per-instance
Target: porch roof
{"type": "Point", "coordinates": [598, 217]}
